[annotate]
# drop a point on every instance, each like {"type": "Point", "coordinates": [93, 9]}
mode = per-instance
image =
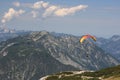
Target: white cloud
{"type": "Point", "coordinates": [17, 4]}
{"type": "Point", "coordinates": [49, 11]}
{"type": "Point", "coordinates": [41, 8]}
{"type": "Point", "coordinates": [40, 4]}
{"type": "Point", "coordinates": [11, 14]}
{"type": "Point", "coordinates": [68, 11]}
{"type": "Point", "coordinates": [58, 11]}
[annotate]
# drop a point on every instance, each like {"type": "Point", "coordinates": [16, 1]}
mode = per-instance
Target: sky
{"type": "Point", "coordinates": [78, 17]}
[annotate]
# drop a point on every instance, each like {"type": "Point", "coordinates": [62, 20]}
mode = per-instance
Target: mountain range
{"type": "Point", "coordinates": [36, 54]}
{"type": "Point", "coordinates": [110, 45]}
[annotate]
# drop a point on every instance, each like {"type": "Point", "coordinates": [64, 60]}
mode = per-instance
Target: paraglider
{"type": "Point", "coordinates": [86, 37]}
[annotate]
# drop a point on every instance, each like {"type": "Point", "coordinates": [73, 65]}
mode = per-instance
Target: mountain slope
{"type": "Point", "coordinates": [68, 50]}
{"type": "Point", "coordinates": [112, 73]}
{"type": "Point", "coordinates": [37, 54]}
{"type": "Point", "coordinates": [111, 45]}
{"type": "Point", "coordinates": [25, 60]}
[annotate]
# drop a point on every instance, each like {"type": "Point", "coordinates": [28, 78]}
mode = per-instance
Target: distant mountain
{"type": "Point", "coordinates": [111, 45]}
{"type": "Point", "coordinates": [6, 30]}
{"type": "Point", "coordinates": [112, 73]}
{"type": "Point", "coordinates": [37, 54]}
{"type": "Point", "coordinates": [6, 33]}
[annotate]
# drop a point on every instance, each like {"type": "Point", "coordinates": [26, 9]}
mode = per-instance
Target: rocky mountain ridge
{"type": "Point", "coordinates": [69, 51]}
{"type": "Point", "coordinates": [37, 54]}
{"type": "Point", "coordinates": [110, 45]}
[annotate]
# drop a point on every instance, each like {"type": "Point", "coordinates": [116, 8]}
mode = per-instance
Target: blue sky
{"type": "Point", "coordinates": [78, 17]}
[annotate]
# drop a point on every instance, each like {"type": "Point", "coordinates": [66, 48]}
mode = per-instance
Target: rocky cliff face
{"type": "Point", "coordinates": [68, 50]}
{"type": "Point", "coordinates": [23, 59]}
{"type": "Point", "coordinates": [40, 53]}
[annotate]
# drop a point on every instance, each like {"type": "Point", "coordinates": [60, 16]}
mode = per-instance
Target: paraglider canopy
{"type": "Point", "coordinates": [84, 37]}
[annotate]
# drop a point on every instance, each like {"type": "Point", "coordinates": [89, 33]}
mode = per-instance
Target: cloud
{"type": "Point", "coordinates": [40, 4]}
{"type": "Point", "coordinates": [41, 8]}
{"type": "Point", "coordinates": [58, 11]}
{"type": "Point", "coordinates": [54, 10]}
{"type": "Point", "coordinates": [11, 14]}
{"type": "Point", "coordinates": [69, 11]}
{"type": "Point", "coordinates": [17, 4]}
{"type": "Point", "coordinates": [49, 11]}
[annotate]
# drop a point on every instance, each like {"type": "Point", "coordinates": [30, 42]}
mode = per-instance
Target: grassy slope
{"type": "Point", "coordinates": [112, 73]}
